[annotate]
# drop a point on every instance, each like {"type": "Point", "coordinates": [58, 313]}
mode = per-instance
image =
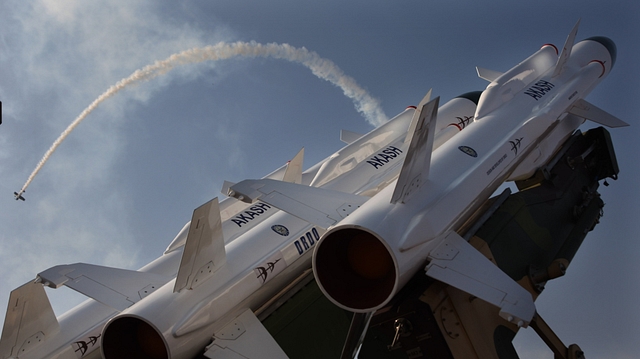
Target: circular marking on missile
{"type": "Point", "coordinates": [468, 150]}
{"type": "Point", "coordinates": [280, 229]}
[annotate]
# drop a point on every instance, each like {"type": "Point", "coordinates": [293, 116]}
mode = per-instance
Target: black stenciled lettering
{"type": "Point", "coordinates": [307, 241]}
{"type": "Point", "coordinates": [262, 205]}
{"type": "Point", "coordinates": [532, 94]}
{"type": "Point", "coordinates": [239, 222]}
{"type": "Point", "coordinates": [248, 215]}
{"type": "Point", "coordinates": [395, 149]}
{"type": "Point", "coordinates": [383, 159]}
{"type": "Point", "coordinates": [375, 164]}
{"type": "Point", "coordinates": [539, 89]}
{"type": "Point", "coordinates": [304, 243]}
{"type": "Point", "coordinates": [390, 153]}
{"type": "Point", "coordinates": [384, 156]}
{"type": "Point", "coordinates": [258, 210]}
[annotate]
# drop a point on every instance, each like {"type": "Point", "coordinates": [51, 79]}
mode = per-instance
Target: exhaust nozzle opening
{"type": "Point", "coordinates": [132, 338]}
{"type": "Point", "coordinates": [355, 269]}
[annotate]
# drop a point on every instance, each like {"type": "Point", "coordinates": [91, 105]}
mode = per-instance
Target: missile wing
{"type": "Point", "coordinates": [203, 252]}
{"type": "Point", "coordinates": [29, 319]}
{"type": "Point", "coordinates": [114, 287]}
{"type": "Point", "coordinates": [591, 112]}
{"type": "Point", "coordinates": [349, 137]}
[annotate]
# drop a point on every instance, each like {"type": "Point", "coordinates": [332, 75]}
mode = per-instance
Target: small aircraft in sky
{"type": "Point", "coordinates": [18, 195]}
{"type": "Point", "coordinates": [390, 206]}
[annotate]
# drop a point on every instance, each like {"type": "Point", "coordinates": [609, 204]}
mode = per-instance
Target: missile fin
{"type": "Point", "coordinates": [486, 74]}
{"type": "Point", "coordinates": [244, 338]}
{"type": "Point", "coordinates": [416, 116]}
{"type": "Point", "coordinates": [231, 207]}
{"type": "Point", "coordinates": [179, 240]}
{"type": "Point", "coordinates": [225, 187]}
{"type": "Point", "coordinates": [566, 50]}
{"type": "Point", "coordinates": [455, 262]}
{"type": "Point", "coordinates": [349, 137]}
{"type": "Point", "coordinates": [204, 251]}
{"type": "Point", "coordinates": [29, 315]}
{"type": "Point", "coordinates": [415, 168]}
{"type": "Point", "coordinates": [322, 207]}
{"type": "Point", "coordinates": [293, 174]}
{"type": "Point", "coordinates": [592, 112]}
{"type": "Point", "coordinates": [114, 287]}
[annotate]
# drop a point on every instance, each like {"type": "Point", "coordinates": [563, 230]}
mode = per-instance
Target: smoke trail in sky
{"type": "Point", "coordinates": [322, 68]}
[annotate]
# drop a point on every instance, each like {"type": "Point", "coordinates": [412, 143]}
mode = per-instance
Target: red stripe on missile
{"type": "Point", "coordinates": [552, 45]}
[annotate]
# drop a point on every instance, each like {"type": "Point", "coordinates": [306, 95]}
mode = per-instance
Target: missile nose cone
{"type": "Point", "coordinates": [473, 96]}
{"type": "Point", "coordinates": [609, 44]}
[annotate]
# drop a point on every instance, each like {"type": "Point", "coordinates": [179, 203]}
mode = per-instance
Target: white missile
{"type": "Point", "coordinates": [232, 259]}
{"type": "Point", "coordinates": [361, 262]}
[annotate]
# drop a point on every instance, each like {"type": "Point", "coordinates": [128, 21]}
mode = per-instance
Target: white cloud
{"type": "Point", "coordinates": [63, 55]}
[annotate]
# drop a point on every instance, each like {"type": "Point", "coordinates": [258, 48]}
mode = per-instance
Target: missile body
{"type": "Point", "coordinates": [362, 262]}
{"type": "Point", "coordinates": [263, 260]}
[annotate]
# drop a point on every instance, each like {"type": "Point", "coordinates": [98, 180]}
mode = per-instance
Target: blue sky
{"type": "Point", "coordinates": [127, 179]}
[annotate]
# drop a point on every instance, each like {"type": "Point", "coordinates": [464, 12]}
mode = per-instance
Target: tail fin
{"type": "Point", "coordinates": [566, 50]}
{"type": "Point", "coordinates": [293, 174]}
{"type": "Point", "coordinates": [591, 112]}
{"type": "Point", "coordinates": [30, 320]}
{"type": "Point", "coordinates": [349, 137]}
{"type": "Point", "coordinates": [204, 251]}
{"type": "Point", "coordinates": [486, 74]}
{"type": "Point", "coordinates": [415, 169]}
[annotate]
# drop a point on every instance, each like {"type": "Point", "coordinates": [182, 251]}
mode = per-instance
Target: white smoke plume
{"type": "Point", "coordinates": [322, 68]}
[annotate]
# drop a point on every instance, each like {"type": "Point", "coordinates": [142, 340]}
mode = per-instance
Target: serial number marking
{"type": "Point", "coordinates": [497, 164]}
